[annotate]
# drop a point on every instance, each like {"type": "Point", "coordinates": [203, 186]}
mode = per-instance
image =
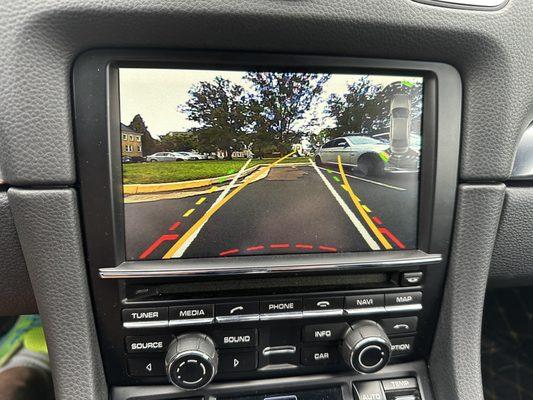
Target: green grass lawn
{"type": "Point", "coordinates": [164, 172]}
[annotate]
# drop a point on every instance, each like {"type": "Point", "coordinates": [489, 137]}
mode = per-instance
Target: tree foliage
{"type": "Point", "coordinates": [179, 141]}
{"type": "Point", "coordinates": [149, 144]}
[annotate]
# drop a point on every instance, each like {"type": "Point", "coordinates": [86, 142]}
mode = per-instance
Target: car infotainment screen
{"type": "Point", "coordinates": [230, 163]}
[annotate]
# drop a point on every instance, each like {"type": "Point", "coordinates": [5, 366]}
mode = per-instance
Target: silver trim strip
{"type": "Point", "coordinates": [264, 265]}
{"type": "Point", "coordinates": [269, 351]}
{"type": "Point", "coordinates": [325, 313]}
{"type": "Point", "coordinates": [288, 397]}
{"type": "Point", "coordinates": [285, 315]}
{"type": "Point", "coordinates": [409, 307]}
{"type": "Point", "coordinates": [237, 318]}
{"type": "Point", "coordinates": [364, 311]}
{"type": "Point", "coordinates": [145, 324]}
{"type": "Point", "coordinates": [194, 321]}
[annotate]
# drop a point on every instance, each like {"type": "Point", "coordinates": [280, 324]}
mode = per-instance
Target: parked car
{"type": "Point", "coordinates": [165, 156]}
{"type": "Point", "coordinates": [191, 155]}
{"type": "Point", "coordinates": [362, 152]}
{"type": "Point", "coordinates": [400, 124]}
{"type": "Point", "coordinates": [132, 159]}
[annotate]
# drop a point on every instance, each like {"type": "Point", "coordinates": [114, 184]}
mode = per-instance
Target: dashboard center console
{"type": "Point", "coordinates": [265, 226]}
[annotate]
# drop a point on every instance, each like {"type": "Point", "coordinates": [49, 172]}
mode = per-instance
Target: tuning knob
{"type": "Point", "coordinates": [192, 361]}
{"type": "Point", "coordinates": [366, 347]}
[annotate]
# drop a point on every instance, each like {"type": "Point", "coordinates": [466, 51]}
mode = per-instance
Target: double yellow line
{"type": "Point", "coordinates": [198, 225]}
{"type": "Point", "coordinates": [360, 208]}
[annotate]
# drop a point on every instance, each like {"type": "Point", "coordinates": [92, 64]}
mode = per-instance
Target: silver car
{"type": "Point", "coordinates": [362, 152]}
{"type": "Point", "coordinates": [164, 156]}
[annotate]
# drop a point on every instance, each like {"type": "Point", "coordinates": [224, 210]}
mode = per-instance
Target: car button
{"type": "Point", "coordinates": [323, 306]}
{"type": "Point", "coordinates": [320, 355]}
{"type": "Point", "coordinates": [237, 312]}
{"type": "Point", "coordinates": [147, 344]}
{"type": "Point", "coordinates": [237, 361]}
{"type": "Point", "coordinates": [371, 390]}
{"type": "Point", "coordinates": [151, 366]}
{"type": "Point", "coordinates": [364, 304]}
{"type": "Point", "coordinates": [156, 317]}
{"type": "Point", "coordinates": [402, 346]}
{"type": "Point", "coordinates": [191, 315]}
{"type": "Point", "coordinates": [236, 338]}
{"type": "Point", "coordinates": [324, 332]}
{"type": "Point", "coordinates": [280, 309]}
{"type": "Point", "coordinates": [407, 301]}
{"type": "Point", "coordinates": [412, 278]}
{"type": "Point", "coordinates": [404, 325]}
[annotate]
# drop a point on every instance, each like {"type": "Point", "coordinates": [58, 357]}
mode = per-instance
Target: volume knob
{"type": "Point", "coordinates": [191, 361]}
{"type": "Point", "coordinates": [366, 347]}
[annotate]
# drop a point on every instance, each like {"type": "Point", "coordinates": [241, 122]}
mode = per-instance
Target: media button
{"type": "Point", "coordinates": [407, 301]}
{"type": "Point", "coordinates": [281, 309]}
{"type": "Point", "coordinates": [237, 312]}
{"type": "Point", "coordinates": [156, 317]}
{"type": "Point", "coordinates": [364, 304]}
{"type": "Point", "coordinates": [236, 338]}
{"type": "Point", "coordinates": [323, 306]}
{"type": "Point", "coordinates": [320, 355]}
{"type": "Point", "coordinates": [402, 346]}
{"type": "Point", "coordinates": [237, 361]}
{"type": "Point", "coordinates": [146, 366]}
{"type": "Point", "coordinates": [324, 332]}
{"type": "Point", "coordinates": [147, 344]}
{"type": "Point", "coordinates": [191, 315]}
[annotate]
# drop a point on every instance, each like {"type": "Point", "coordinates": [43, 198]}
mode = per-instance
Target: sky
{"type": "Point", "coordinates": [155, 94]}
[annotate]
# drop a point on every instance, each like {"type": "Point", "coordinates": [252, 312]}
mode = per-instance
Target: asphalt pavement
{"type": "Point", "coordinates": [294, 209]}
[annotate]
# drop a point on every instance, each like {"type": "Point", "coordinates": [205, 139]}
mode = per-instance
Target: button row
{"type": "Point", "coordinates": [161, 317]}
{"type": "Point", "coordinates": [394, 389]}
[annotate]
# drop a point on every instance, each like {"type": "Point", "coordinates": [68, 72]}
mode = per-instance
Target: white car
{"type": "Point", "coordinates": [164, 156]}
{"type": "Point", "coordinates": [358, 151]}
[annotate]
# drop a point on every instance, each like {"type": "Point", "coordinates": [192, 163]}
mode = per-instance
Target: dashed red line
{"type": "Point", "coordinates": [157, 243]}
{"type": "Point", "coordinates": [389, 234]}
{"type": "Point", "coordinates": [280, 246]}
{"type": "Point", "coordinates": [303, 246]}
{"type": "Point", "coordinates": [228, 252]}
{"type": "Point", "coordinates": [255, 248]}
{"type": "Point", "coordinates": [377, 220]}
{"type": "Point", "coordinates": [174, 225]}
{"type": "Point", "coordinates": [327, 248]}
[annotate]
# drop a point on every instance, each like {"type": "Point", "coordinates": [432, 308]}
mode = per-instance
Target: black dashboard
{"type": "Point", "coordinates": [200, 287]}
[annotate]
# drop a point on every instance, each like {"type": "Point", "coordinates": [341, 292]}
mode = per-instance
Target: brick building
{"type": "Point", "coordinates": [131, 142]}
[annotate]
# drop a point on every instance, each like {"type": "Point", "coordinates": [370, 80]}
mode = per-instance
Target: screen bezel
{"type": "Point", "coordinates": [97, 123]}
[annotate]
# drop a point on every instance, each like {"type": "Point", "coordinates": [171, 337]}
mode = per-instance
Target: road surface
{"type": "Point", "coordinates": [288, 209]}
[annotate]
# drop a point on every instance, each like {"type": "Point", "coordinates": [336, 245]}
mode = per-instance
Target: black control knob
{"type": "Point", "coordinates": [366, 347]}
{"type": "Point", "coordinates": [191, 361]}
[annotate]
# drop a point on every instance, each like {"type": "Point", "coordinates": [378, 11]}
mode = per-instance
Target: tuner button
{"type": "Point", "coordinates": [191, 361]}
{"type": "Point", "coordinates": [366, 347]}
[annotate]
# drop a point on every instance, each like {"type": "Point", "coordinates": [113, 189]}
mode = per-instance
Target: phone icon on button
{"type": "Point", "coordinates": [236, 309]}
{"type": "Point", "coordinates": [323, 304]}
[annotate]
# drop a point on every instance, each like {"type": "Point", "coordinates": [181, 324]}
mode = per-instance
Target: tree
{"type": "Point", "coordinates": [221, 109]}
{"type": "Point", "coordinates": [279, 103]}
{"type": "Point", "coordinates": [179, 141]}
{"type": "Point", "coordinates": [149, 144]}
{"type": "Point", "coordinates": [355, 111]}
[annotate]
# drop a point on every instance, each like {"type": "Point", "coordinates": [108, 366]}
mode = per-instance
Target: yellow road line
{"type": "Point", "coordinates": [200, 201]}
{"type": "Point", "coordinates": [192, 230]}
{"type": "Point", "coordinates": [368, 210]}
{"type": "Point", "coordinates": [361, 210]}
{"type": "Point", "coordinates": [188, 212]}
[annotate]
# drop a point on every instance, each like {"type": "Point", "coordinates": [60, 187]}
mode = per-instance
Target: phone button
{"type": "Point", "coordinates": [237, 312]}
{"type": "Point", "coordinates": [395, 326]}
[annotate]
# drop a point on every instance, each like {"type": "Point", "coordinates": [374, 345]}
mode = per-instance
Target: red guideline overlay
{"type": "Point", "coordinates": [157, 243]}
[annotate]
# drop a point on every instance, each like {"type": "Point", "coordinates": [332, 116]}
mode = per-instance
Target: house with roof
{"type": "Point", "coordinates": [131, 142]}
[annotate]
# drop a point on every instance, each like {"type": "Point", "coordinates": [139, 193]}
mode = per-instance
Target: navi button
{"type": "Point", "coordinates": [191, 315]}
{"type": "Point", "coordinates": [364, 304]}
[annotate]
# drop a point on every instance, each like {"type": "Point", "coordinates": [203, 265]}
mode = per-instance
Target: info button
{"type": "Point", "coordinates": [280, 309]}
{"type": "Point", "coordinates": [190, 315]}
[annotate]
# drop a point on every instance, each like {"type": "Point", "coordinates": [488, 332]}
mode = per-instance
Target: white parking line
{"type": "Point", "coordinates": [358, 225]}
{"type": "Point", "coordinates": [366, 180]}
{"type": "Point", "coordinates": [179, 252]}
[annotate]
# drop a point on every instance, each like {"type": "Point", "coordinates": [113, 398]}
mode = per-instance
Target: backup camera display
{"type": "Point", "coordinates": [240, 163]}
